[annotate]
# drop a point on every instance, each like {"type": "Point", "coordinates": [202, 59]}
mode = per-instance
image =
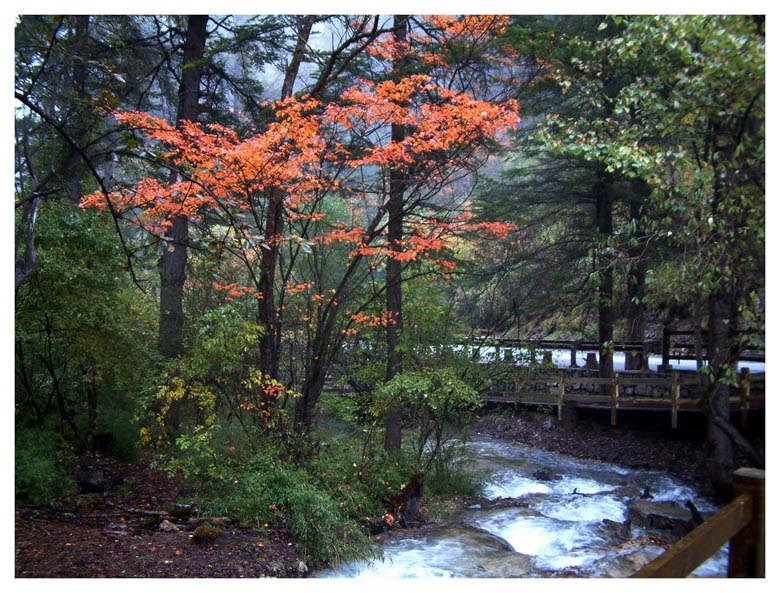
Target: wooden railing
{"type": "Point", "coordinates": [742, 522]}
{"type": "Point", "coordinates": [614, 399]}
{"type": "Point", "coordinates": [669, 347]}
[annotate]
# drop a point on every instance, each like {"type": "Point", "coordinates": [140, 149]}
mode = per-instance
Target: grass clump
{"type": "Point", "coordinates": [41, 467]}
{"type": "Point", "coordinates": [204, 535]}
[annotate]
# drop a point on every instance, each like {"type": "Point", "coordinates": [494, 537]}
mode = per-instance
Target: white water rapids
{"type": "Point", "coordinates": [557, 528]}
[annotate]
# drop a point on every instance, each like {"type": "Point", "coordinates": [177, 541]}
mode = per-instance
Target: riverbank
{"type": "Point", "coordinates": [638, 442]}
{"type": "Point", "coordinates": [130, 531]}
{"type": "Point", "coordinates": [136, 530]}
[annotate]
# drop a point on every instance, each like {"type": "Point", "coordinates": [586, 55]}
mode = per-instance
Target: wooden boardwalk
{"type": "Point", "coordinates": [669, 348]}
{"type": "Point", "coordinates": [554, 393]}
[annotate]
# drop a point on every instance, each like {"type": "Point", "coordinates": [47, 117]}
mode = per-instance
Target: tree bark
{"type": "Point", "coordinates": [173, 261]}
{"type": "Point", "coordinates": [393, 277]}
{"type": "Point", "coordinates": [323, 348]}
{"type": "Point", "coordinates": [720, 460]}
{"type": "Point", "coordinates": [73, 169]}
{"type": "Point", "coordinates": [605, 287]}
{"type": "Point", "coordinates": [635, 288]}
{"type": "Point", "coordinates": [25, 264]}
{"type": "Point", "coordinates": [268, 317]}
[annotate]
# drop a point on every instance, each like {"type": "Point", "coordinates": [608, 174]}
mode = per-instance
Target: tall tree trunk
{"type": "Point", "coordinates": [720, 460]}
{"type": "Point", "coordinates": [92, 403]}
{"type": "Point", "coordinates": [635, 291]}
{"type": "Point", "coordinates": [395, 207]}
{"type": "Point", "coordinates": [268, 316]}
{"type": "Point", "coordinates": [635, 314]}
{"type": "Point", "coordinates": [73, 168]}
{"type": "Point", "coordinates": [605, 288]}
{"type": "Point", "coordinates": [323, 347]}
{"type": "Point", "coordinates": [698, 332]}
{"type": "Point", "coordinates": [173, 261]}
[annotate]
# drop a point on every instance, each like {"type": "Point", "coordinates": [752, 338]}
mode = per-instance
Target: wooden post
{"type": "Point", "coordinates": [573, 354]}
{"type": "Point", "coordinates": [744, 396]}
{"type": "Point", "coordinates": [747, 548]}
{"type": "Point", "coordinates": [561, 393]}
{"type": "Point", "coordinates": [615, 394]}
{"type": "Point", "coordinates": [675, 397]}
{"type": "Point", "coordinates": [665, 348]}
{"type": "Point", "coordinates": [646, 349]}
{"type": "Point", "coordinates": [517, 394]}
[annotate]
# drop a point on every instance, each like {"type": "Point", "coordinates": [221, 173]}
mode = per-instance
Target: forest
{"type": "Point", "coordinates": [250, 251]}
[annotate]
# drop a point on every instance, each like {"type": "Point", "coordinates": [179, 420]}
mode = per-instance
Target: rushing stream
{"type": "Point", "coordinates": [567, 521]}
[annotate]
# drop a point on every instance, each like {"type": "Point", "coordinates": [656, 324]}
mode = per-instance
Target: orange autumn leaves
{"type": "Point", "coordinates": [311, 150]}
{"type": "Point", "coordinates": [221, 173]}
{"type": "Point", "coordinates": [218, 170]}
{"type": "Point", "coordinates": [451, 121]}
{"type": "Point", "coordinates": [475, 34]}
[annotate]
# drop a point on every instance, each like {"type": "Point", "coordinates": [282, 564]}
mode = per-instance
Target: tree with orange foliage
{"type": "Point", "coordinates": [310, 155]}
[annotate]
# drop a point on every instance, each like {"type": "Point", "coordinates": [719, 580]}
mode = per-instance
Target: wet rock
{"type": "Point", "coordinates": [471, 538]}
{"type": "Point", "coordinates": [615, 529]}
{"type": "Point", "coordinates": [696, 516]}
{"type": "Point", "coordinates": [505, 565]}
{"type": "Point", "coordinates": [487, 555]}
{"type": "Point", "coordinates": [665, 516]}
{"type": "Point", "coordinates": [193, 524]}
{"type": "Point", "coordinates": [625, 565]}
{"type": "Point", "coordinates": [180, 511]}
{"type": "Point", "coordinates": [544, 475]}
{"type": "Point", "coordinates": [95, 481]}
{"type": "Point", "coordinates": [276, 569]}
{"type": "Point", "coordinates": [627, 492]}
{"type": "Point", "coordinates": [302, 568]}
{"type": "Point", "coordinates": [508, 502]}
{"type": "Point", "coordinates": [116, 529]}
{"type": "Point", "coordinates": [167, 526]}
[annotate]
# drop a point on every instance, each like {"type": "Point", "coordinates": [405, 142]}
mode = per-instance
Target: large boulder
{"type": "Point", "coordinates": [91, 480]}
{"type": "Point", "coordinates": [661, 515]}
{"type": "Point", "coordinates": [545, 475]}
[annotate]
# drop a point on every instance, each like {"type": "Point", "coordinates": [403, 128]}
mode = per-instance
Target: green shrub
{"type": "Point", "coordinates": [41, 467]}
{"type": "Point", "coordinates": [448, 477]}
{"type": "Point", "coordinates": [272, 490]}
{"type": "Point", "coordinates": [438, 406]}
{"type": "Point", "coordinates": [117, 417]}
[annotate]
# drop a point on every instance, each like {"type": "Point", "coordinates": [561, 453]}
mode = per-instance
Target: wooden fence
{"type": "Point", "coordinates": [670, 347]}
{"type": "Point", "coordinates": [742, 522]}
{"type": "Point", "coordinates": [614, 400]}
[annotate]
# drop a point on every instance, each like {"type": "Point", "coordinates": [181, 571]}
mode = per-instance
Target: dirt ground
{"type": "Point", "coordinates": [118, 534]}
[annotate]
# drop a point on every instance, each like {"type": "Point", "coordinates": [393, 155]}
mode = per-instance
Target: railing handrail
{"type": "Point", "coordinates": [674, 381]}
{"type": "Point", "coordinates": [687, 554]}
{"type": "Point", "coordinates": [741, 522]}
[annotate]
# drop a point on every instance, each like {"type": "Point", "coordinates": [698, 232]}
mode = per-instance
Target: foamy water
{"type": "Point", "coordinates": [558, 525]}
